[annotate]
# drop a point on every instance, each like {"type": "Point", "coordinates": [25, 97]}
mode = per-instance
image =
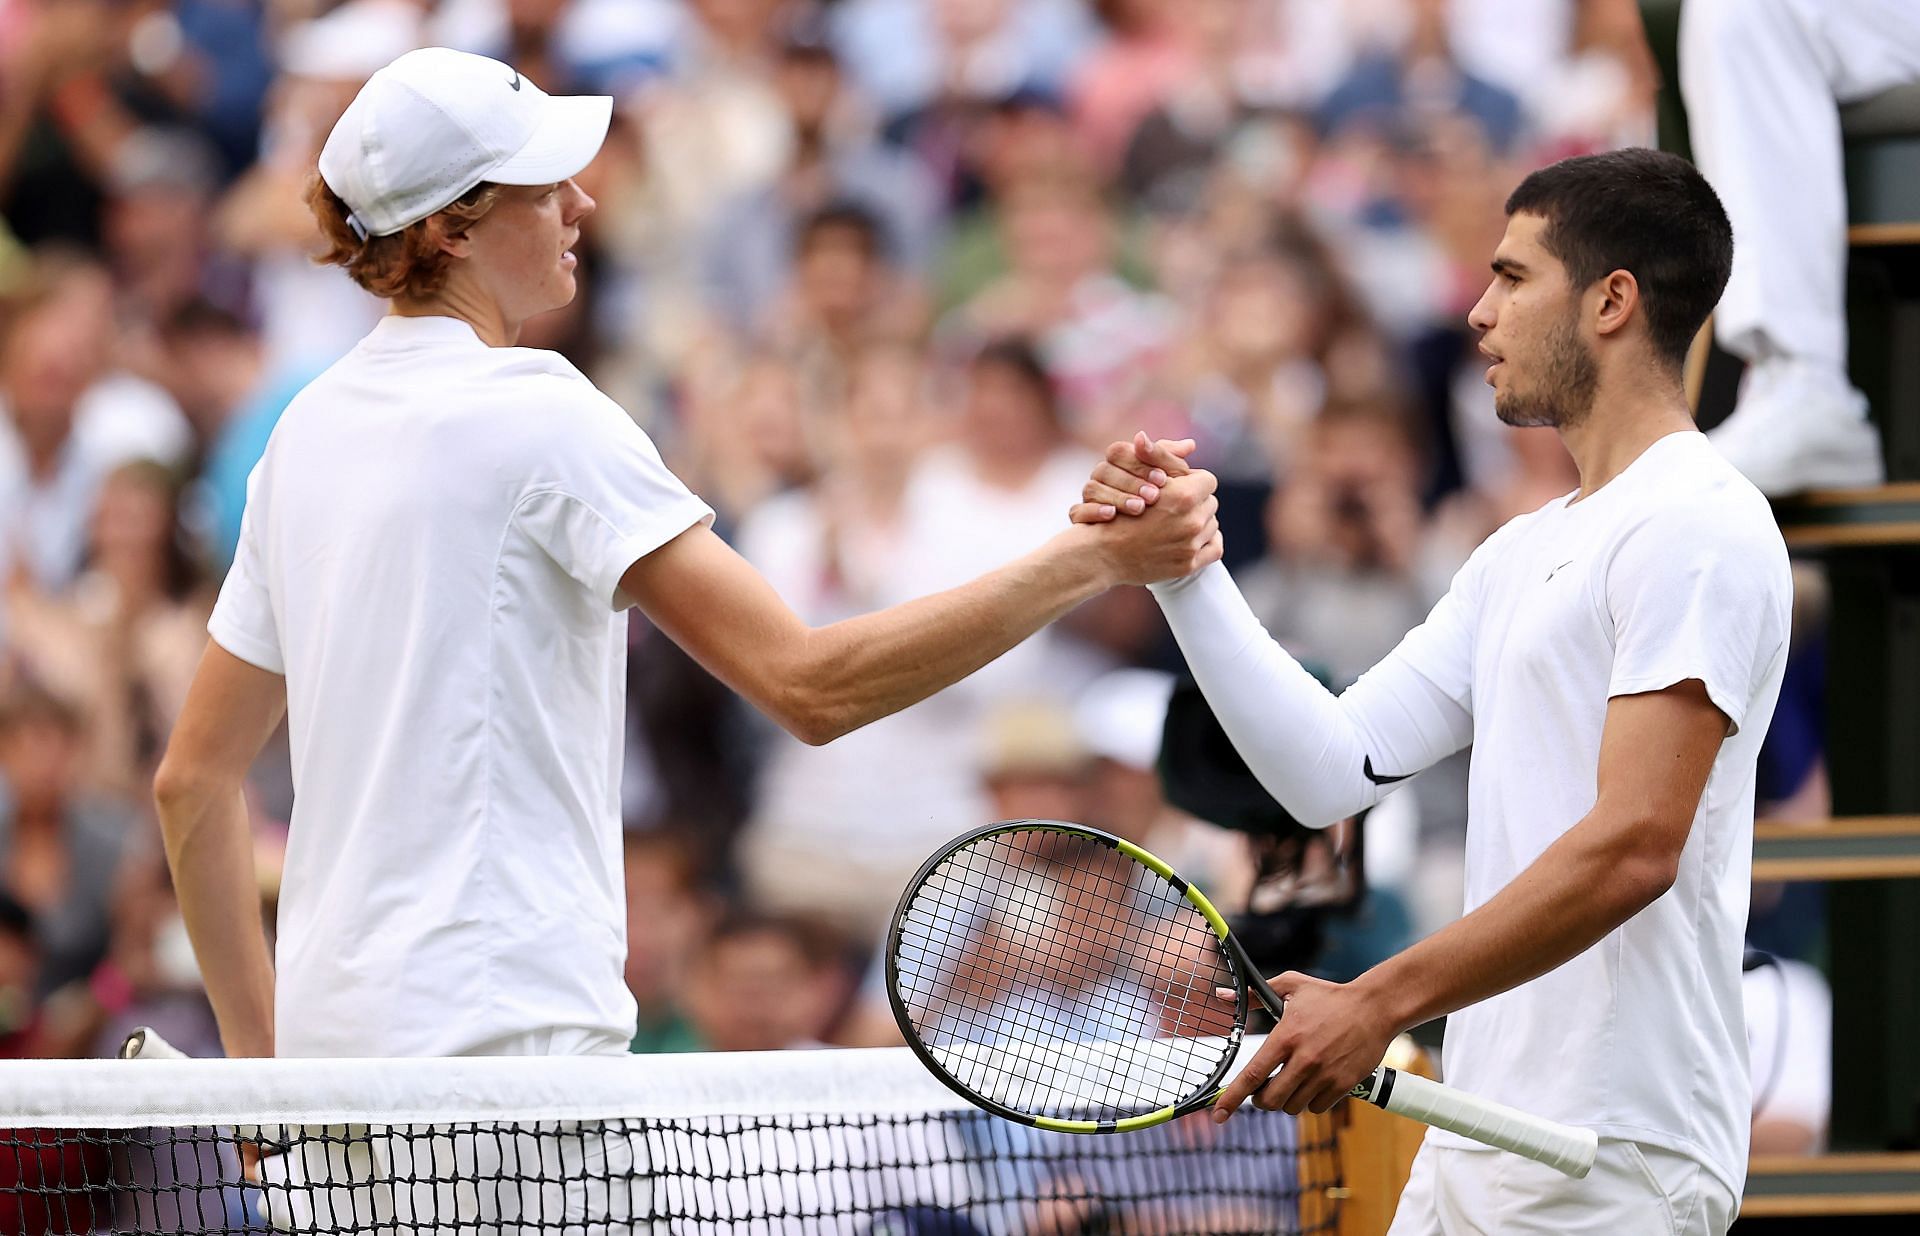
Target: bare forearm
{"type": "Point", "coordinates": [869, 667]}
{"type": "Point", "coordinates": [1583, 886]}
{"type": "Point", "coordinates": [210, 849]}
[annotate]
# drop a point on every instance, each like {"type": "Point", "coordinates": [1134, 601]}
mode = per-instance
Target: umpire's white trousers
{"type": "Point", "coordinates": [1761, 79]}
{"type": "Point", "coordinates": [1633, 1190]}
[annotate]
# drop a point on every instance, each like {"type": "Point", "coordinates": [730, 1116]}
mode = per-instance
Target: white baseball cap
{"type": "Point", "coordinates": [436, 122]}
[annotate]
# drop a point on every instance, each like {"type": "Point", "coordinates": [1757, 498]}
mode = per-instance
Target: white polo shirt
{"type": "Point", "coordinates": [431, 555]}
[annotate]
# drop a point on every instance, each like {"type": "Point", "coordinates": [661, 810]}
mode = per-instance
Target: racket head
{"type": "Point", "coordinates": [1060, 976]}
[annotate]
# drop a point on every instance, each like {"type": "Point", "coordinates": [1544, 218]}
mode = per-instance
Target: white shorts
{"type": "Point", "coordinates": [1633, 1188]}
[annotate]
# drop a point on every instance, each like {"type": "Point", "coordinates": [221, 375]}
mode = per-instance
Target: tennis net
{"type": "Point", "coordinates": [864, 1143]}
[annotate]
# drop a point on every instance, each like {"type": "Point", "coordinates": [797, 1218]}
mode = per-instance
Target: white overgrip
{"type": "Point", "coordinates": [1559, 1146]}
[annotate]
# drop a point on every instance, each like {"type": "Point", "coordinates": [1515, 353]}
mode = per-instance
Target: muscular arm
{"type": "Point", "coordinates": [231, 710]}
{"type": "Point", "coordinates": [1655, 756]}
{"type": "Point", "coordinates": [820, 683]}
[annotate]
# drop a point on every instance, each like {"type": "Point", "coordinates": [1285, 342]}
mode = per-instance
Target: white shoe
{"type": "Point", "coordinates": [1799, 427]}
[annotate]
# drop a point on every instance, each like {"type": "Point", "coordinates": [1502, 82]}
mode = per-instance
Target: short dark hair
{"type": "Point", "coordinates": [1646, 212]}
{"type": "Point", "coordinates": [848, 218]}
{"type": "Point", "coordinates": [1020, 357]}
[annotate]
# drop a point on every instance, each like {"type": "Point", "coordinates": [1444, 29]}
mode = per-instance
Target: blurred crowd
{"type": "Point", "coordinates": [879, 277]}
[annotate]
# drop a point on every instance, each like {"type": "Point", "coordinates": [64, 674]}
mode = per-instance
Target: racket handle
{"type": "Point", "coordinates": [145, 1043]}
{"type": "Point", "coordinates": [1559, 1146]}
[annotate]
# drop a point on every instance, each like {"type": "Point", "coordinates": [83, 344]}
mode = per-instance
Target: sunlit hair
{"type": "Point", "coordinates": [408, 264]}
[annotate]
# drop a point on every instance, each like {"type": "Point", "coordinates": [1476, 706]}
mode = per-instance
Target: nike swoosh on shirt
{"type": "Point", "coordinates": [515, 83]}
{"type": "Point", "coordinates": [1367, 768]}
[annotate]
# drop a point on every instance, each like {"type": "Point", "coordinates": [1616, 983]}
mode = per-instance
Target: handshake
{"type": "Point", "coordinates": [1147, 515]}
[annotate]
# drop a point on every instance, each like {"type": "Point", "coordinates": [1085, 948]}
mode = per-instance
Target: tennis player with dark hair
{"type": "Point", "coordinates": [1614, 658]}
{"type": "Point", "coordinates": [438, 549]}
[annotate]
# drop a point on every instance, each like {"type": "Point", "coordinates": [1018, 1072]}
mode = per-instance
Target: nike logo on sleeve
{"type": "Point", "coordinates": [1367, 768]}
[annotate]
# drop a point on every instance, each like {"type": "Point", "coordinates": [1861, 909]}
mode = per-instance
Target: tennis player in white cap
{"type": "Point", "coordinates": [437, 550]}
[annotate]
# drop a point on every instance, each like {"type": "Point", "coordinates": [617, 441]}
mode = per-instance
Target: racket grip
{"type": "Point", "coordinates": [145, 1043]}
{"type": "Point", "coordinates": [1562, 1147]}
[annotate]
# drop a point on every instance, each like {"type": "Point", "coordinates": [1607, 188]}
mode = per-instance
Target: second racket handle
{"type": "Point", "coordinates": [1559, 1146]}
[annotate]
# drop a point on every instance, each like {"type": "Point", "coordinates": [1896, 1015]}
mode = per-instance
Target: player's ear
{"type": "Point", "coordinates": [1618, 300]}
{"type": "Point", "coordinates": [451, 236]}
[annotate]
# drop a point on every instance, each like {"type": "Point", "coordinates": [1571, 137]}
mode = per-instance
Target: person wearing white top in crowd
{"type": "Point", "coordinates": [1614, 658]}
{"type": "Point", "coordinates": [436, 554]}
{"type": "Point", "coordinates": [68, 418]}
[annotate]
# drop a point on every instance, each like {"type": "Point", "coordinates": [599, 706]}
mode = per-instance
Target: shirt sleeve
{"type": "Point", "coordinates": [1700, 596]}
{"type": "Point", "coordinates": [1324, 757]}
{"type": "Point", "coordinates": [243, 619]}
{"type": "Point", "coordinates": [601, 498]}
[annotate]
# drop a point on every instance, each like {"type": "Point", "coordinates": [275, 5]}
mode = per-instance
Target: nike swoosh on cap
{"type": "Point", "coordinates": [1367, 768]}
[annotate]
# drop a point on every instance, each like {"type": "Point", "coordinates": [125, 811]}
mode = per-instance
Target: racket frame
{"type": "Point", "coordinates": [1246, 978]}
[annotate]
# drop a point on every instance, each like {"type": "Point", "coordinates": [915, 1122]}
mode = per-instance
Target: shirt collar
{"type": "Point", "coordinates": [401, 331]}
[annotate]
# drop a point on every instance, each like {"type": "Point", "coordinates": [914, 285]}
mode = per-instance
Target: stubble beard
{"type": "Point", "coordinates": [1564, 398]}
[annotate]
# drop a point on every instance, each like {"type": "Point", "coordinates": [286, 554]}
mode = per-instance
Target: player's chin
{"type": "Point", "coordinates": [560, 289]}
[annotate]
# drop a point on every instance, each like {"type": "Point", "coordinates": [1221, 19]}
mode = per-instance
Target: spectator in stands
{"type": "Point", "coordinates": [1152, 45]}
{"type": "Point", "coordinates": [668, 910]}
{"type": "Point", "coordinates": [827, 836]}
{"type": "Point", "coordinates": [67, 418]}
{"type": "Point", "coordinates": [1033, 763]}
{"type": "Point", "coordinates": [1019, 137]}
{"type": "Point", "coordinates": [1761, 80]}
{"type": "Point", "coordinates": [922, 62]}
{"type": "Point", "coordinates": [761, 982]}
{"type": "Point", "coordinates": [1602, 95]}
{"type": "Point", "coordinates": [59, 845]}
{"type": "Point", "coordinates": [155, 234]}
{"type": "Point", "coordinates": [1119, 720]}
{"type": "Point", "coordinates": [710, 131]}
{"type": "Point", "coordinates": [218, 368]}
{"type": "Point", "coordinates": [123, 643]}
{"type": "Point", "coordinates": [1352, 566]}
{"type": "Point", "coordinates": [149, 977]}
{"type": "Point", "coordinates": [309, 315]}
{"type": "Point", "coordinates": [845, 295]}
{"type": "Point", "coordinates": [1344, 582]}
{"type": "Point", "coordinates": [834, 159]}
{"type": "Point", "coordinates": [1254, 372]}
{"type": "Point", "coordinates": [63, 115]}
{"type": "Point", "coordinates": [1423, 74]}
{"type": "Point", "coordinates": [1098, 335]}
{"type": "Point", "coordinates": [748, 433]}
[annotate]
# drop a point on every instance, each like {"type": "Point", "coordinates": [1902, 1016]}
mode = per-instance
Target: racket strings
{"type": "Point", "coordinates": [1057, 976]}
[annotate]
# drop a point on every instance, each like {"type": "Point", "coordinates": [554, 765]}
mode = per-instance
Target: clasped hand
{"type": "Point", "coordinates": [1173, 527]}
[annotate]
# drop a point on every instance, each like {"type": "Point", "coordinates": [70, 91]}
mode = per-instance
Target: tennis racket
{"type": "Point", "coordinates": [1065, 978]}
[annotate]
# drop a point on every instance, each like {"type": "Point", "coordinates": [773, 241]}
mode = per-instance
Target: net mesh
{"type": "Point", "coordinates": [857, 1142]}
{"type": "Point", "coordinates": [1053, 974]}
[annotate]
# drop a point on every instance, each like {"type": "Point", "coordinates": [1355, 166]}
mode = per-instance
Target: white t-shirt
{"type": "Point", "coordinates": [1672, 571]}
{"type": "Point", "coordinates": [431, 555]}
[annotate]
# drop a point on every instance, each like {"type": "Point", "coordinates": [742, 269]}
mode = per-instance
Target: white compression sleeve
{"type": "Point", "coordinates": [1311, 749]}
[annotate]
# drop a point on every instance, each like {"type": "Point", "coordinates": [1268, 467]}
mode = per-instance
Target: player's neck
{"type": "Point", "coordinates": [456, 301]}
{"type": "Point", "coordinates": [1626, 419]}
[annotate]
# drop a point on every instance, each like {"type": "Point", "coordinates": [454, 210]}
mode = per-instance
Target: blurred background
{"type": "Point", "coordinates": [880, 277]}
